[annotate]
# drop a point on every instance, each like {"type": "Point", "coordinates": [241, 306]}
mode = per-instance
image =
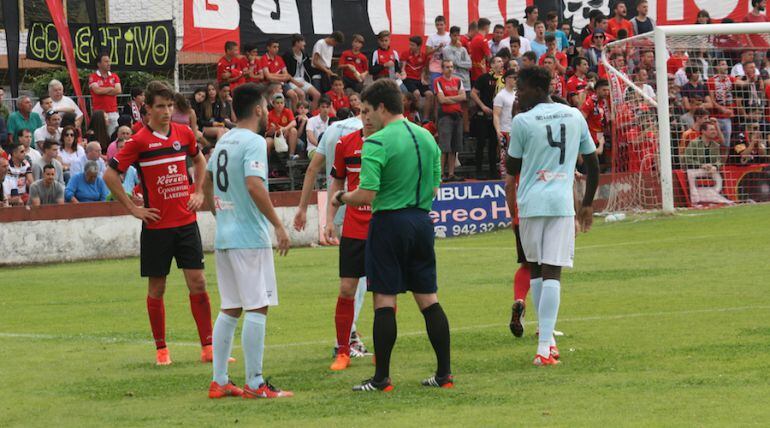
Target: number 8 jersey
{"type": "Point", "coordinates": [548, 139]}
{"type": "Point", "coordinates": [239, 154]}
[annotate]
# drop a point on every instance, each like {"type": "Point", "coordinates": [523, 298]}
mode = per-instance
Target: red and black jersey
{"type": "Point", "coordinates": [235, 66]}
{"type": "Point", "coordinates": [381, 57]}
{"type": "Point", "coordinates": [347, 166]}
{"type": "Point", "coordinates": [160, 161]}
{"type": "Point", "coordinates": [414, 64]}
{"type": "Point", "coordinates": [449, 87]}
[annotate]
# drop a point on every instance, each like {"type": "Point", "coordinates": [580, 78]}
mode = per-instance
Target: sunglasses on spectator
{"type": "Point", "coordinates": [599, 37]}
{"type": "Point", "coordinates": [69, 134]}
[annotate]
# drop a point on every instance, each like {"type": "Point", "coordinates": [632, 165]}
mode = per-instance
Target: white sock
{"type": "Point", "coordinates": [253, 340]}
{"type": "Point", "coordinates": [360, 295]}
{"type": "Point", "coordinates": [536, 287]}
{"type": "Point", "coordinates": [222, 341]}
{"type": "Point", "coordinates": [547, 313]}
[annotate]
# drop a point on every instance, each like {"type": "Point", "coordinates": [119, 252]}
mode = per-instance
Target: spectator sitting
{"type": "Point", "coordinates": [60, 102]}
{"type": "Point", "coordinates": [299, 66]}
{"type": "Point", "coordinates": [97, 130]}
{"type": "Point", "coordinates": [410, 107]}
{"type": "Point", "coordinates": [302, 115]}
{"type": "Point", "coordinates": [355, 103]}
{"type": "Point", "coordinates": [50, 131]}
{"type": "Point", "coordinates": [496, 43]}
{"type": "Point", "coordinates": [693, 121]}
{"type": "Point", "coordinates": [552, 28]}
{"type": "Point", "coordinates": [512, 33]}
{"type": "Point", "coordinates": [43, 105]}
{"type": "Point", "coordinates": [223, 107]}
{"type": "Point", "coordinates": [317, 124]}
{"type": "Point", "coordinates": [750, 94]}
{"type": "Point", "coordinates": [94, 154]}
{"type": "Point", "coordinates": [354, 65]}
{"type": "Point", "coordinates": [720, 87]}
{"type": "Point", "coordinates": [47, 190]}
{"type": "Point", "coordinates": [704, 152]}
{"type": "Point", "coordinates": [323, 51]}
{"type": "Point", "coordinates": [23, 118]}
{"type": "Point", "coordinates": [280, 121]}
{"type": "Point", "coordinates": [738, 68]}
{"type": "Point", "coordinates": [749, 146]}
{"type": "Point", "coordinates": [87, 186]}
{"type": "Point", "coordinates": [185, 115]}
{"type": "Point", "coordinates": [19, 175]}
{"type": "Point", "coordinates": [133, 108]}
{"type": "Point", "coordinates": [337, 96]}
{"type": "Point", "coordinates": [70, 151]}
{"type": "Point", "coordinates": [124, 134]}
{"type": "Point", "coordinates": [253, 71]}
{"type": "Point", "coordinates": [212, 129]}
{"type": "Point", "coordinates": [24, 137]}
{"type": "Point", "coordinates": [50, 155]}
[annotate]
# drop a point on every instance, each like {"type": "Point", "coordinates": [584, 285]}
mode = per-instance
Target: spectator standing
{"type": "Point", "coordinates": [503, 114]}
{"type": "Point", "coordinates": [538, 43]}
{"type": "Point", "coordinates": [527, 28]}
{"type": "Point", "coordinates": [738, 69]}
{"type": "Point", "coordinates": [87, 186]}
{"type": "Point", "coordinates": [434, 47]}
{"type": "Point", "coordinates": [577, 83]}
{"type": "Point", "coordinates": [757, 14]}
{"type": "Point", "coordinates": [354, 65]}
{"type": "Point", "coordinates": [50, 155]}
{"type": "Point", "coordinates": [552, 28]}
{"type": "Point", "coordinates": [590, 27]}
{"type": "Point", "coordinates": [451, 94]}
{"type": "Point", "coordinates": [19, 175]}
{"type": "Point", "coordinates": [60, 102]}
{"type": "Point", "coordinates": [461, 60]}
{"type": "Point", "coordinates": [133, 108]}
{"type": "Point", "coordinates": [553, 50]}
{"type": "Point", "coordinates": [71, 152]}
{"type": "Point", "coordinates": [483, 94]}
{"type": "Point", "coordinates": [105, 88]}
{"type": "Point", "coordinates": [43, 105]}
{"type": "Point", "coordinates": [498, 36]}
{"type": "Point", "coordinates": [414, 71]}
{"type": "Point", "coordinates": [323, 52]}
{"type": "Point", "coordinates": [601, 24]}
{"type": "Point", "coordinates": [97, 130]}
{"type": "Point", "coordinates": [619, 21]}
{"type": "Point", "coordinates": [720, 88]}
{"type": "Point", "coordinates": [594, 53]}
{"type": "Point", "coordinates": [299, 66]}
{"type": "Point", "coordinates": [479, 51]}
{"type": "Point", "coordinates": [641, 22]}
{"type": "Point", "coordinates": [50, 131]}
{"type": "Point", "coordinates": [694, 88]}
{"type": "Point", "coordinates": [512, 31]}
{"type": "Point", "coordinates": [231, 66]}
{"type": "Point", "coordinates": [385, 60]}
{"type": "Point", "coordinates": [23, 118]}
{"type": "Point", "coordinates": [47, 190]}
{"type": "Point", "coordinates": [317, 124]}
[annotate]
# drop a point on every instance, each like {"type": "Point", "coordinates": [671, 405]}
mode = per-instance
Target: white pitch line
{"type": "Point", "coordinates": [501, 325]}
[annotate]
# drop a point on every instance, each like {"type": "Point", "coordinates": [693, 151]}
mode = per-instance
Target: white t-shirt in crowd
{"type": "Point", "coordinates": [42, 134]}
{"type": "Point", "coordinates": [437, 42]}
{"type": "Point", "coordinates": [65, 103]}
{"type": "Point", "coordinates": [529, 32]}
{"type": "Point", "coordinates": [737, 71]}
{"type": "Point", "coordinates": [325, 50]}
{"type": "Point", "coordinates": [505, 100]}
{"type": "Point", "coordinates": [318, 126]}
{"type": "Point", "coordinates": [524, 44]}
{"type": "Point", "coordinates": [33, 155]}
{"type": "Point", "coordinates": [71, 158]}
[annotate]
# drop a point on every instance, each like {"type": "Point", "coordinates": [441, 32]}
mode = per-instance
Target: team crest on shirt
{"type": "Point", "coordinates": [256, 166]}
{"type": "Point", "coordinates": [546, 176]}
{"type": "Point", "coordinates": [176, 145]}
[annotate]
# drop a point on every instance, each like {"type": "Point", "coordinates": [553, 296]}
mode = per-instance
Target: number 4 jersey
{"type": "Point", "coordinates": [548, 139]}
{"type": "Point", "coordinates": [239, 154]}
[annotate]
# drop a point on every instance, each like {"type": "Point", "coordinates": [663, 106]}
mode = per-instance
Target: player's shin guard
{"type": "Point", "coordinates": [224, 330]}
{"type": "Point", "coordinates": [201, 311]}
{"type": "Point", "coordinates": [360, 295]}
{"type": "Point", "coordinates": [547, 314]}
{"type": "Point", "coordinates": [437, 325]}
{"type": "Point", "coordinates": [343, 320]}
{"type": "Point", "coordinates": [253, 342]}
{"type": "Point", "coordinates": [384, 334]}
{"type": "Point", "coordinates": [157, 313]}
{"type": "Point", "coordinates": [521, 283]}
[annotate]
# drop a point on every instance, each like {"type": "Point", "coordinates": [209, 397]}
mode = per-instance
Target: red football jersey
{"type": "Point", "coordinates": [161, 163]}
{"type": "Point", "coordinates": [613, 26]}
{"type": "Point", "coordinates": [256, 66]}
{"type": "Point", "coordinates": [338, 101]}
{"type": "Point", "coordinates": [596, 111]}
{"type": "Point", "coordinates": [381, 57]}
{"type": "Point", "coordinates": [449, 87]}
{"type": "Point", "coordinates": [108, 103]}
{"type": "Point", "coordinates": [279, 120]}
{"type": "Point", "coordinates": [235, 67]}
{"type": "Point", "coordinates": [561, 57]}
{"type": "Point", "coordinates": [576, 85]}
{"type": "Point", "coordinates": [273, 65]}
{"type": "Point", "coordinates": [414, 64]}
{"type": "Point", "coordinates": [357, 60]}
{"type": "Point", "coordinates": [479, 51]}
{"type": "Point", "coordinates": [347, 165]}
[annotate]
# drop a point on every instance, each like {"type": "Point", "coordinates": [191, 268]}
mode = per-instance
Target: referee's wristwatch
{"type": "Point", "coordinates": [339, 198]}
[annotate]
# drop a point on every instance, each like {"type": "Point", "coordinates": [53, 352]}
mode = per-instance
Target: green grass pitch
{"type": "Point", "coordinates": [666, 322]}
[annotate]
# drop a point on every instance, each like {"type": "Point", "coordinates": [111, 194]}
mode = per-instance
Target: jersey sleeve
{"type": "Point", "coordinates": [587, 145]}
{"type": "Point", "coordinates": [516, 144]}
{"type": "Point", "coordinates": [338, 170]}
{"type": "Point", "coordinates": [255, 159]}
{"type": "Point", "coordinates": [373, 158]}
{"type": "Point", "coordinates": [436, 164]}
{"type": "Point", "coordinates": [92, 79]}
{"type": "Point", "coordinates": [126, 156]}
{"type": "Point", "coordinates": [192, 143]}
{"type": "Point", "coordinates": [498, 101]}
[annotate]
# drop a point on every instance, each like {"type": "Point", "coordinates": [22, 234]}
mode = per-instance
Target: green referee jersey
{"type": "Point", "coordinates": [402, 163]}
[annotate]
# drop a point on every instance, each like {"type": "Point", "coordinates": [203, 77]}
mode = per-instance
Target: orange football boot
{"type": "Point", "coordinates": [218, 391]}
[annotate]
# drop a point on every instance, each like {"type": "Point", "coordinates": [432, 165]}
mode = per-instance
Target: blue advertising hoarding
{"type": "Point", "coordinates": [469, 208]}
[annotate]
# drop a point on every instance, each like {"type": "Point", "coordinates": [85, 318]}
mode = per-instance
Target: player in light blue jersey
{"type": "Point", "coordinates": [546, 139]}
{"type": "Point", "coordinates": [236, 190]}
{"type": "Point", "coordinates": [325, 153]}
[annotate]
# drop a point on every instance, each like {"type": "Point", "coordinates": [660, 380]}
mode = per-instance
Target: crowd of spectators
{"type": "Point", "coordinates": [459, 85]}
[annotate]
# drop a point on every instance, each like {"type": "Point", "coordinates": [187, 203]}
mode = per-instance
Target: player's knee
{"type": "Point", "coordinates": [196, 283]}
{"type": "Point", "coordinates": [348, 287]}
{"type": "Point", "coordinates": [156, 287]}
{"type": "Point", "coordinates": [425, 300]}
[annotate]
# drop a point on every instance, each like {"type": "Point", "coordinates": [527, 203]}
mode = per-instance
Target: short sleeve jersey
{"type": "Point", "coordinates": [273, 65]}
{"type": "Point", "coordinates": [332, 135]}
{"type": "Point", "coordinates": [402, 163]}
{"type": "Point", "coordinates": [505, 100]}
{"type": "Point", "coordinates": [235, 66]}
{"type": "Point", "coordinates": [357, 60]}
{"type": "Point", "coordinates": [239, 154]}
{"type": "Point", "coordinates": [449, 87]}
{"type": "Point", "coordinates": [479, 51]}
{"type": "Point", "coordinates": [414, 64]}
{"type": "Point", "coordinates": [596, 110]}
{"type": "Point", "coordinates": [548, 139]}
{"type": "Point", "coordinates": [338, 101]}
{"type": "Point", "coordinates": [161, 163]}
{"type": "Point", "coordinates": [576, 85]}
{"type": "Point", "coordinates": [280, 120]}
{"type": "Point", "coordinates": [347, 166]}
{"type": "Point", "coordinates": [107, 103]}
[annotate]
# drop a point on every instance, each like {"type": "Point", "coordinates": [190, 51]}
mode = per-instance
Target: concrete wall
{"type": "Point", "coordinates": [49, 241]}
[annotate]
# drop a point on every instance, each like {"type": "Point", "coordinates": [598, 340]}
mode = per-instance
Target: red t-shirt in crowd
{"type": "Point", "coordinates": [613, 26]}
{"type": "Point", "coordinates": [596, 111]}
{"type": "Point", "coordinates": [674, 63]}
{"type": "Point", "coordinates": [357, 60]}
{"type": "Point", "coordinates": [561, 57]}
{"type": "Point", "coordinates": [108, 103]}
{"type": "Point", "coordinates": [449, 87]}
{"type": "Point", "coordinates": [255, 65]}
{"type": "Point", "coordinates": [756, 40]}
{"type": "Point", "coordinates": [347, 165]}
{"type": "Point", "coordinates": [414, 64]}
{"type": "Point", "coordinates": [381, 57]}
{"type": "Point", "coordinates": [479, 51]}
{"type": "Point", "coordinates": [338, 101]}
{"type": "Point", "coordinates": [273, 65]}
{"type": "Point", "coordinates": [235, 66]}
{"type": "Point", "coordinates": [279, 120]}
{"type": "Point", "coordinates": [559, 85]}
{"type": "Point", "coordinates": [576, 85]}
{"type": "Point", "coordinates": [160, 161]}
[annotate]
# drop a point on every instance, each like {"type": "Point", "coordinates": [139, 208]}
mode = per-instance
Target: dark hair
{"type": "Point", "coordinates": [97, 128]}
{"type": "Point", "coordinates": [578, 60]}
{"type": "Point", "coordinates": [357, 38]}
{"type": "Point", "coordinates": [270, 42]}
{"type": "Point", "coordinates": [417, 40]}
{"type": "Point", "coordinates": [324, 100]}
{"type": "Point", "coordinates": [246, 97]}
{"type": "Point", "coordinates": [473, 26]}
{"type": "Point", "coordinates": [68, 118]}
{"type": "Point", "coordinates": [382, 34]}
{"type": "Point", "coordinates": [296, 38]}
{"type": "Point", "coordinates": [622, 34]}
{"type": "Point", "coordinates": [338, 37]}
{"type": "Point", "coordinates": [439, 18]}
{"type": "Point", "coordinates": [136, 91]}
{"type": "Point", "coordinates": [157, 89]}
{"type": "Point", "coordinates": [512, 21]}
{"type": "Point", "coordinates": [504, 54]}
{"type": "Point", "coordinates": [484, 23]}
{"type": "Point", "coordinates": [48, 143]}
{"type": "Point", "coordinates": [335, 79]}
{"type": "Point", "coordinates": [250, 47]}
{"type": "Point", "coordinates": [700, 112]}
{"type": "Point", "coordinates": [385, 92]}
{"type": "Point", "coordinates": [454, 30]}
{"type": "Point", "coordinates": [48, 166]}
{"type": "Point", "coordinates": [181, 103]}
{"type": "Point", "coordinates": [538, 23]}
{"type": "Point", "coordinates": [705, 125]}
{"type": "Point", "coordinates": [551, 15]}
{"type": "Point", "coordinates": [618, 3]}
{"type": "Point", "coordinates": [229, 45]}
{"type": "Point", "coordinates": [13, 147]}
{"type": "Point", "coordinates": [550, 38]}
{"type": "Point", "coordinates": [515, 39]}
{"type": "Point", "coordinates": [125, 120]}
{"type": "Point", "coordinates": [99, 57]}
{"type": "Point", "coordinates": [44, 97]}
{"type": "Point", "coordinates": [498, 27]}
{"type": "Point", "coordinates": [536, 77]}
{"type": "Point", "coordinates": [344, 113]}
{"type": "Point", "coordinates": [65, 130]}
{"type": "Point", "coordinates": [595, 14]}
{"type": "Point", "coordinates": [530, 56]}
{"type": "Point", "coordinates": [528, 10]}
{"type": "Point", "coordinates": [602, 82]}
{"type": "Point", "coordinates": [21, 132]}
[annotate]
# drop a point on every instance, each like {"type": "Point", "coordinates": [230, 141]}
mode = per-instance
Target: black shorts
{"type": "Point", "coordinates": [399, 253]}
{"type": "Point", "coordinates": [352, 257]}
{"type": "Point", "coordinates": [412, 85]}
{"type": "Point", "coordinates": [353, 84]}
{"type": "Point", "coordinates": [520, 257]}
{"type": "Point", "coordinates": [159, 246]}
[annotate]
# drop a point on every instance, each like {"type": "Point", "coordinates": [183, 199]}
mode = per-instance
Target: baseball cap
{"type": "Point", "coordinates": [51, 112]}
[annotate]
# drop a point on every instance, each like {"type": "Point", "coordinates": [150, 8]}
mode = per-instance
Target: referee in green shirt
{"type": "Point", "coordinates": [400, 174]}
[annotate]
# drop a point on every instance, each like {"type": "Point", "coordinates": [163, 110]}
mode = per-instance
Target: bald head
{"type": "Point", "coordinates": [93, 150]}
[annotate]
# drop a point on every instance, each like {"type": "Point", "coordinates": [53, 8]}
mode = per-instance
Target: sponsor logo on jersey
{"type": "Point", "coordinates": [176, 145]}
{"type": "Point", "coordinates": [154, 145]}
{"type": "Point", "coordinates": [546, 176]}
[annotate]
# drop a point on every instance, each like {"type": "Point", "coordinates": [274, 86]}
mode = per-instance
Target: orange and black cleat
{"type": "Point", "coordinates": [219, 391]}
{"type": "Point", "coordinates": [265, 391]}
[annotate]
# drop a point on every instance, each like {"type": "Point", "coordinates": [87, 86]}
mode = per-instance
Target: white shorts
{"type": "Point", "coordinates": [304, 87]}
{"type": "Point", "coordinates": [246, 278]}
{"type": "Point", "coordinates": [548, 240]}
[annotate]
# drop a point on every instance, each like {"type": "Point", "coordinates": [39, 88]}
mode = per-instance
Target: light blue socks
{"type": "Point", "coordinates": [548, 311]}
{"type": "Point", "coordinates": [253, 340]}
{"type": "Point", "coordinates": [224, 330]}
